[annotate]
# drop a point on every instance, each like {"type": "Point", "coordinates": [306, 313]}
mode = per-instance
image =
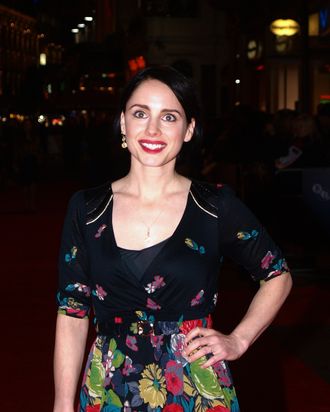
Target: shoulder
{"type": "Point", "coordinates": [212, 197]}
{"type": "Point", "coordinates": [91, 202]}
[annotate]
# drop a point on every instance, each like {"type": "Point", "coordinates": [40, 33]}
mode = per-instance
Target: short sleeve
{"type": "Point", "coordinates": [73, 295]}
{"type": "Point", "coordinates": [244, 239]}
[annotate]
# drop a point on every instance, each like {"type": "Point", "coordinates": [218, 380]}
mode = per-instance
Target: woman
{"type": "Point", "coordinates": [146, 251]}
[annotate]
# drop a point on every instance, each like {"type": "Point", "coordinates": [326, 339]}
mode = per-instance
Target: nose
{"type": "Point", "coordinates": [153, 127]}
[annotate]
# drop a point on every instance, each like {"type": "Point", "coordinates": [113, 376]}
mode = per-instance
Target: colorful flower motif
{"type": "Point", "coordinates": [152, 305]}
{"type": "Point", "coordinates": [143, 316]}
{"type": "Point", "coordinates": [96, 375]}
{"type": "Point", "coordinates": [114, 360]}
{"type": "Point", "coordinates": [280, 267]}
{"type": "Point", "coordinates": [223, 373]}
{"type": "Point", "coordinates": [99, 292]}
{"type": "Point", "coordinates": [157, 283]}
{"type": "Point", "coordinates": [152, 386]}
{"type": "Point", "coordinates": [176, 345]}
{"type": "Point", "coordinates": [69, 257]}
{"type": "Point", "coordinates": [198, 299]}
{"type": "Point", "coordinates": [86, 290]}
{"type": "Point", "coordinates": [174, 377]}
{"type": "Point", "coordinates": [131, 343]}
{"type": "Point", "coordinates": [156, 340]}
{"type": "Point", "coordinates": [203, 405]}
{"type": "Point", "coordinates": [173, 407]}
{"type": "Point", "coordinates": [129, 367]}
{"type": "Point", "coordinates": [246, 235]}
{"type": "Point", "coordinates": [188, 325]}
{"type": "Point", "coordinates": [168, 327]}
{"type": "Point", "coordinates": [267, 260]}
{"type": "Point", "coordinates": [218, 408]}
{"type": "Point", "coordinates": [157, 343]}
{"type": "Point", "coordinates": [94, 408]}
{"type": "Point", "coordinates": [100, 231]}
{"type": "Point", "coordinates": [194, 246]}
{"type": "Point", "coordinates": [205, 380]}
{"type": "Point", "coordinates": [113, 401]}
{"type": "Point", "coordinates": [69, 306]}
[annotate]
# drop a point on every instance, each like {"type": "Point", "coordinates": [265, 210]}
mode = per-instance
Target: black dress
{"type": "Point", "coordinates": [136, 361]}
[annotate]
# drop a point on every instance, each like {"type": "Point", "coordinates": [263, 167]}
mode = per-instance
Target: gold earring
{"type": "Point", "coordinates": [123, 141]}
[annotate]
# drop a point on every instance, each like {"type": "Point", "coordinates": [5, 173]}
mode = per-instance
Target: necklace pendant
{"type": "Point", "coordinates": [148, 234]}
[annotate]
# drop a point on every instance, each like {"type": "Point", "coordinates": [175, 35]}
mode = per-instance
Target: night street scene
{"type": "Point", "coordinates": [262, 75]}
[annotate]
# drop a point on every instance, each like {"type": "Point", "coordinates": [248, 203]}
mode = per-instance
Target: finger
{"type": "Point", "coordinates": [196, 332]}
{"type": "Point", "coordinates": [196, 344]}
{"type": "Point", "coordinates": [211, 361]}
{"type": "Point", "coordinates": [205, 350]}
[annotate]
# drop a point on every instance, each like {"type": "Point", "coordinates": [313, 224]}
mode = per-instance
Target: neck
{"type": "Point", "coordinates": [152, 183]}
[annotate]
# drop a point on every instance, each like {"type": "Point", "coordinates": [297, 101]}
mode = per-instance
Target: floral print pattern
{"type": "Point", "coordinates": [198, 299]}
{"type": "Point", "coordinates": [86, 290]}
{"type": "Point", "coordinates": [99, 292]}
{"type": "Point", "coordinates": [194, 246]}
{"type": "Point", "coordinates": [71, 307]}
{"type": "Point", "coordinates": [247, 235]}
{"type": "Point", "coordinates": [70, 256]}
{"type": "Point", "coordinates": [157, 283]}
{"type": "Point", "coordinates": [100, 231]}
{"type": "Point", "coordinates": [115, 377]}
{"type": "Point", "coordinates": [139, 364]}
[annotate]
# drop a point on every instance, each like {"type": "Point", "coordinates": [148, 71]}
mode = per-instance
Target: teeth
{"type": "Point", "coordinates": [153, 146]}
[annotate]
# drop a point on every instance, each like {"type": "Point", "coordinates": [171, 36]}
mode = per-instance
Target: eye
{"type": "Point", "coordinates": [139, 114]}
{"type": "Point", "coordinates": [169, 117]}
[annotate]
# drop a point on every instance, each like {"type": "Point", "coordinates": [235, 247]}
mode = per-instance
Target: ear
{"type": "Point", "coordinates": [122, 123]}
{"type": "Point", "coordinates": [190, 130]}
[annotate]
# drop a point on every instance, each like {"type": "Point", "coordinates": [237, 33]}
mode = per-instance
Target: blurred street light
{"type": "Point", "coordinates": [284, 27]}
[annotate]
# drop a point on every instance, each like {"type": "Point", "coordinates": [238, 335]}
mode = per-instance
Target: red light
{"type": "Point", "coordinates": [260, 67]}
{"type": "Point", "coordinates": [140, 61]}
{"type": "Point", "coordinates": [132, 65]}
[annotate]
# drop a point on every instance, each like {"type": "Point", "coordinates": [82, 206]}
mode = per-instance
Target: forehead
{"type": "Point", "coordinates": [154, 91]}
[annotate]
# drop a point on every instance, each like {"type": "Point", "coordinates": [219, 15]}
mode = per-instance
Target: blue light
{"type": "Point", "coordinates": [324, 14]}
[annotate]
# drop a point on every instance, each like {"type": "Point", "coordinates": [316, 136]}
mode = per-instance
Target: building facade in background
{"type": "Point", "coordinates": [288, 71]}
{"type": "Point", "coordinates": [19, 48]}
{"type": "Point", "coordinates": [82, 53]}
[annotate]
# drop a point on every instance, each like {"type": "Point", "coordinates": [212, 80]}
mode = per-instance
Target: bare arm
{"type": "Point", "coordinates": [70, 342]}
{"type": "Point", "coordinates": [261, 312]}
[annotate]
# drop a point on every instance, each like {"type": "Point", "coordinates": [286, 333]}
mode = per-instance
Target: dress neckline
{"type": "Point", "coordinates": [146, 248]}
{"type": "Point", "coordinates": [161, 241]}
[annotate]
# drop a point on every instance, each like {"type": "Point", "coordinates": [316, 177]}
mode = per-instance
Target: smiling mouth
{"type": "Point", "coordinates": [152, 147]}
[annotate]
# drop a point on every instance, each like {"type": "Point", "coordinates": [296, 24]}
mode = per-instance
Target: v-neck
{"type": "Point", "coordinates": [170, 240]}
{"type": "Point", "coordinates": [169, 237]}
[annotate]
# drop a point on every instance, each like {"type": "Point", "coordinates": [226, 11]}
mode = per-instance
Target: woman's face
{"type": "Point", "coordinates": [155, 124]}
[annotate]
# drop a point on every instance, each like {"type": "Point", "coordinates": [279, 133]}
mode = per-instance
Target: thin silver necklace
{"type": "Point", "coordinates": [148, 234]}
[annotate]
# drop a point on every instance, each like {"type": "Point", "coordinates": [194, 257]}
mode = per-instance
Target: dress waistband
{"type": "Point", "coordinates": [146, 326]}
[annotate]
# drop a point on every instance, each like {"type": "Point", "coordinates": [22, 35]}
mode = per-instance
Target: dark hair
{"type": "Point", "coordinates": [182, 87]}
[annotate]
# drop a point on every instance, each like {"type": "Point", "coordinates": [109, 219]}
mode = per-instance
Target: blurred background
{"type": "Point", "coordinates": [262, 73]}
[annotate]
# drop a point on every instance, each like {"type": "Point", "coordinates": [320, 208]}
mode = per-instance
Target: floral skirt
{"type": "Point", "coordinates": [134, 371]}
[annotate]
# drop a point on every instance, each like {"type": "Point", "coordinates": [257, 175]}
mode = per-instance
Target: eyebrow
{"type": "Point", "coordinates": [144, 106]}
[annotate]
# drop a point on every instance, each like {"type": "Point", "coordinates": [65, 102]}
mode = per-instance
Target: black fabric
{"type": "Point", "coordinates": [181, 280]}
{"type": "Point", "coordinates": [137, 261]}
